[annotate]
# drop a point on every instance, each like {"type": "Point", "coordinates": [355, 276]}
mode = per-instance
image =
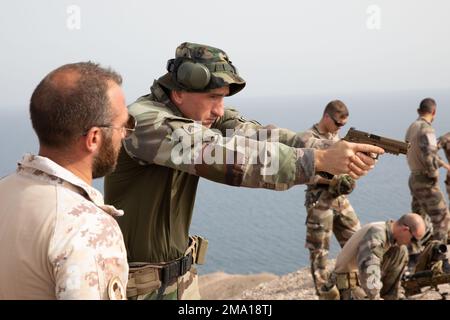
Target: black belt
{"type": "Point", "coordinates": [175, 269]}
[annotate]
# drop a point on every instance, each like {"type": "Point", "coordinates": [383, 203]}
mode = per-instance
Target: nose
{"type": "Point", "coordinates": [218, 109]}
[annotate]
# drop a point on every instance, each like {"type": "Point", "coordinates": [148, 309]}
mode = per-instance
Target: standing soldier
{"type": "Point", "coordinates": [58, 240]}
{"type": "Point", "coordinates": [182, 134]}
{"type": "Point", "coordinates": [327, 210]}
{"type": "Point", "coordinates": [424, 162]}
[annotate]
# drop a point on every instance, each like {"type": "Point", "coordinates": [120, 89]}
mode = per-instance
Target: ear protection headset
{"type": "Point", "coordinates": [194, 75]}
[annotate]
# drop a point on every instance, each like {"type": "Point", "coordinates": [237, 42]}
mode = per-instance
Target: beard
{"type": "Point", "coordinates": [106, 159]}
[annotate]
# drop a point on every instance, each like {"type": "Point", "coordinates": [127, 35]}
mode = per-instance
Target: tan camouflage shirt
{"type": "Point", "coordinates": [57, 238]}
{"type": "Point", "coordinates": [363, 253]}
{"type": "Point", "coordinates": [312, 137]}
{"type": "Point", "coordinates": [156, 178]}
{"type": "Point", "coordinates": [422, 155]}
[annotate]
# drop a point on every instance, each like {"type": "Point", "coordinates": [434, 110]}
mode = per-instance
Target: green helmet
{"type": "Point", "coordinates": [200, 68]}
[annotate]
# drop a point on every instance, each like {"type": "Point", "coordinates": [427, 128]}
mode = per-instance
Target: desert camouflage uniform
{"type": "Point", "coordinates": [326, 214]}
{"type": "Point", "coordinates": [57, 237]}
{"type": "Point", "coordinates": [379, 263]}
{"type": "Point", "coordinates": [424, 162]}
{"type": "Point", "coordinates": [157, 189]}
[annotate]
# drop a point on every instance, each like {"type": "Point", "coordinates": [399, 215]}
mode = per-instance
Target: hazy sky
{"type": "Point", "coordinates": [280, 47]}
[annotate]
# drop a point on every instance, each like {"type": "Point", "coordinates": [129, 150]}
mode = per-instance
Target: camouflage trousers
{"type": "Point", "coordinates": [392, 268]}
{"type": "Point", "coordinates": [184, 288]}
{"type": "Point", "coordinates": [427, 199]}
{"type": "Point", "coordinates": [324, 218]}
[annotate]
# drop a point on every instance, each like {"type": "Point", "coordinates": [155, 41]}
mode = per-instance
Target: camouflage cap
{"type": "Point", "coordinates": [222, 72]}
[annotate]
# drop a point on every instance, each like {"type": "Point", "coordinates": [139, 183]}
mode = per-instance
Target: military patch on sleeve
{"type": "Point", "coordinates": [431, 137]}
{"type": "Point", "coordinates": [116, 291]}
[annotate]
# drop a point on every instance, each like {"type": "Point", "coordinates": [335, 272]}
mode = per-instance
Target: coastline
{"type": "Point", "coordinates": [297, 285]}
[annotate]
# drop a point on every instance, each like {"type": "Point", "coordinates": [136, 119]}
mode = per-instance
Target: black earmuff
{"type": "Point", "coordinates": [189, 74]}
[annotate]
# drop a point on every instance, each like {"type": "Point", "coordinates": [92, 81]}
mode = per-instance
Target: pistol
{"type": "Point", "coordinates": [389, 145]}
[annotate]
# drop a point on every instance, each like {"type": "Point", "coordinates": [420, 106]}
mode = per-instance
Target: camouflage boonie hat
{"type": "Point", "coordinates": [222, 71]}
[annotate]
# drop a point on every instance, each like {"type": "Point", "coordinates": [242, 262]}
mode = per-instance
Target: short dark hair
{"type": "Point", "coordinates": [70, 100]}
{"type": "Point", "coordinates": [427, 105]}
{"type": "Point", "coordinates": [336, 109]}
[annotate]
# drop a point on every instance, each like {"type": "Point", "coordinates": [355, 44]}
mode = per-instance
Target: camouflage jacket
{"type": "Point", "coordinates": [317, 190]}
{"type": "Point", "coordinates": [364, 253]}
{"type": "Point", "coordinates": [156, 178]}
{"type": "Point", "coordinates": [57, 238]}
{"type": "Point", "coordinates": [422, 155]}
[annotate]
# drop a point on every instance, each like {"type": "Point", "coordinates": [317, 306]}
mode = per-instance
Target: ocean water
{"type": "Point", "coordinates": [256, 230]}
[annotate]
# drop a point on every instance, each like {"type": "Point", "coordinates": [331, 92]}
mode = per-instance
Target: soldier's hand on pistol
{"type": "Point", "coordinates": [347, 157]}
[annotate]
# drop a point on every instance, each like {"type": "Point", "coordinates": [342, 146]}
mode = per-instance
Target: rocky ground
{"type": "Point", "coordinates": [265, 286]}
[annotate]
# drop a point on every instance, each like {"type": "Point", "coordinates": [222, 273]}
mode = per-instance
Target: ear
{"type": "Point", "coordinates": [405, 228]}
{"type": "Point", "coordinates": [93, 139]}
{"type": "Point", "coordinates": [177, 97]}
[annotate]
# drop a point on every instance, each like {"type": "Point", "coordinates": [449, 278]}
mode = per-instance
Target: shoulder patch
{"type": "Point", "coordinates": [116, 291]}
{"type": "Point", "coordinates": [431, 137]}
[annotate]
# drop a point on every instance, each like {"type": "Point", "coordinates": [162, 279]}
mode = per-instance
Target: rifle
{"type": "Point", "coordinates": [433, 277]}
{"type": "Point", "coordinates": [414, 283]}
{"type": "Point", "coordinates": [389, 145]}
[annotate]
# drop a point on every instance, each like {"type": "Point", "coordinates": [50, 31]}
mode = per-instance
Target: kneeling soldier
{"type": "Point", "coordinates": [373, 260]}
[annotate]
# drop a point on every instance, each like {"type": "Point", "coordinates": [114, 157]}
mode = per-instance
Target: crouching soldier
{"type": "Point", "coordinates": [373, 260]}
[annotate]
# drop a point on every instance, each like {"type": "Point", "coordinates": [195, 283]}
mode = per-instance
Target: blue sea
{"type": "Point", "coordinates": [255, 230]}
